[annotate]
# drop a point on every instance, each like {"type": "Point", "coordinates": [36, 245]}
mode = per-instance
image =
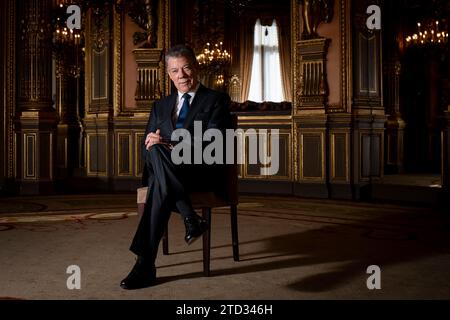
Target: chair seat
{"type": "Point", "coordinates": [207, 200]}
{"type": "Point", "coordinates": [199, 199]}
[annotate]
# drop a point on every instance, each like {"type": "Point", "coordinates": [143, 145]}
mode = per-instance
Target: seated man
{"type": "Point", "coordinates": [169, 183]}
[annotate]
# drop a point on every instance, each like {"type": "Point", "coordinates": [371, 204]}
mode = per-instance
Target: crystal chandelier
{"type": "Point", "coordinates": [214, 57]}
{"type": "Point", "coordinates": [428, 34]}
{"type": "Point", "coordinates": [62, 34]}
{"type": "Point", "coordinates": [67, 43]}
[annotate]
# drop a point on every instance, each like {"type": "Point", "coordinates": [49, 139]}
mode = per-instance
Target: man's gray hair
{"type": "Point", "coordinates": [182, 50]}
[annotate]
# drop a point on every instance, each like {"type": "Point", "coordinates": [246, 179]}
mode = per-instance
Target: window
{"type": "Point", "coordinates": [265, 81]}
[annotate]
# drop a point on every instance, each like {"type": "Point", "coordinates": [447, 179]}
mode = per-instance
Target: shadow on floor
{"type": "Point", "coordinates": [352, 247]}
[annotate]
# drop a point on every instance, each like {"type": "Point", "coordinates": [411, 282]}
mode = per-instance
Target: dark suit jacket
{"type": "Point", "coordinates": [212, 109]}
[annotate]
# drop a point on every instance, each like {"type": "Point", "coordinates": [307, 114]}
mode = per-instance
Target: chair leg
{"type": "Point", "coordinates": [234, 232]}
{"type": "Point", "coordinates": [206, 213]}
{"type": "Point", "coordinates": [166, 241]}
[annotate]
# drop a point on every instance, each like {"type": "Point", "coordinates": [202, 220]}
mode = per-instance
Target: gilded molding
{"type": "Point", "coordinates": [368, 89]}
{"type": "Point", "coordinates": [333, 134]}
{"type": "Point", "coordinates": [346, 60]}
{"type": "Point", "coordinates": [163, 42]}
{"type": "Point", "coordinates": [370, 133]}
{"type": "Point", "coordinates": [247, 153]}
{"type": "Point", "coordinates": [99, 30]}
{"type": "Point", "coordinates": [88, 153]}
{"type": "Point", "coordinates": [288, 156]}
{"type": "Point", "coordinates": [34, 55]}
{"type": "Point", "coordinates": [87, 66]}
{"type": "Point", "coordinates": [295, 151]}
{"type": "Point", "coordinates": [137, 153]}
{"type": "Point", "coordinates": [321, 134]}
{"type": "Point", "coordinates": [119, 148]}
{"type": "Point", "coordinates": [312, 89]}
{"type": "Point", "coordinates": [345, 56]}
{"type": "Point", "coordinates": [117, 63]}
{"type": "Point", "coordinates": [11, 89]}
{"type": "Point", "coordinates": [29, 136]}
{"type": "Point", "coordinates": [150, 74]}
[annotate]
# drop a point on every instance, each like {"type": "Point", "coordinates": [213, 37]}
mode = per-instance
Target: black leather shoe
{"type": "Point", "coordinates": [195, 226]}
{"type": "Point", "coordinates": [142, 275]}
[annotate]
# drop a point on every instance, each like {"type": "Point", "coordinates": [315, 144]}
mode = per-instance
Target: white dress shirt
{"type": "Point", "coordinates": [181, 100]}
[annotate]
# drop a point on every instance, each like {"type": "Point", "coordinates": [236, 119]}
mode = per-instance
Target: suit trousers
{"type": "Point", "coordinates": [167, 193]}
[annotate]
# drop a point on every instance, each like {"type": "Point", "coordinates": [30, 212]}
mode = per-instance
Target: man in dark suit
{"type": "Point", "coordinates": [169, 183]}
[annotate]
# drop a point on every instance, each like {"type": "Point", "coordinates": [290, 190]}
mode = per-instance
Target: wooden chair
{"type": "Point", "coordinates": [206, 201]}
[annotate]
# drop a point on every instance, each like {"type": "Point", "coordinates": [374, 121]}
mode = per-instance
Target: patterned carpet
{"type": "Point", "coordinates": [291, 248]}
{"type": "Point", "coordinates": [115, 207]}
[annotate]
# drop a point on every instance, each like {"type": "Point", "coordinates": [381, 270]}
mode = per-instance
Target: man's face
{"type": "Point", "coordinates": [182, 73]}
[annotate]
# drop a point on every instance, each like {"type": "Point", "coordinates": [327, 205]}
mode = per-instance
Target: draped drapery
{"type": "Point", "coordinates": [246, 57]}
{"type": "Point", "coordinates": [284, 38]}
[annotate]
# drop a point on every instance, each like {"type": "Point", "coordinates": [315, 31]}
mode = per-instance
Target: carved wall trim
{"type": "Point", "coordinates": [150, 75]}
{"type": "Point", "coordinates": [317, 140]}
{"type": "Point", "coordinates": [335, 136]}
{"type": "Point", "coordinates": [346, 57]}
{"type": "Point", "coordinates": [34, 55]}
{"type": "Point", "coordinates": [163, 42]}
{"type": "Point", "coordinates": [11, 87]}
{"type": "Point", "coordinates": [97, 145]}
{"type": "Point", "coordinates": [344, 16]}
{"type": "Point", "coordinates": [312, 88]}
{"type": "Point", "coordinates": [124, 153]}
{"type": "Point", "coordinates": [118, 86]}
{"type": "Point", "coordinates": [100, 33]}
{"type": "Point", "coordinates": [29, 155]}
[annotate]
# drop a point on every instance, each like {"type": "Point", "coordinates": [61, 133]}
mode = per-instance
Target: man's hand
{"type": "Point", "coordinates": [154, 138]}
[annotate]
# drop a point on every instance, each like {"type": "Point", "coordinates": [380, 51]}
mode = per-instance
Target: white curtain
{"type": "Point", "coordinates": [266, 83]}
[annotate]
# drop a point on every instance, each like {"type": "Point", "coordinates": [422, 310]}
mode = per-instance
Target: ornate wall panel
{"type": "Point", "coordinates": [8, 83]}
{"type": "Point", "coordinates": [252, 128]}
{"type": "Point", "coordinates": [124, 147]}
{"type": "Point", "coordinates": [151, 78]}
{"type": "Point", "coordinates": [151, 73]}
{"type": "Point", "coordinates": [367, 64]}
{"type": "Point", "coordinates": [29, 152]}
{"type": "Point", "coordinates": [97, 153]}
{"type": "Point", "coordinates": [312, 152]}
{"type": "Point", "coordinates": [339, 156]}
{"type": "Point", "coordinates": [98, 59]}
{"type": "Point", "coordinates": [343, 13]}
{"type": "Point", "coordinates": [371, 155]}
{"type": "Point", "coordinates": [321, 138]}
{"type": "Point", "coordinates": [368, 111]}
{"type": "Point", "coordinates": [311, 89]}
{"type": "Point", "coordinates": [35, 119]}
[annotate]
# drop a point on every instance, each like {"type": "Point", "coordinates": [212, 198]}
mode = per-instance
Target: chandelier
{"type": "Point", "coordinates": [67, 43]}
{"type": "Point", "coordinates": [62, 34]}
{"type": "Point", "coordinates": [428, 34]}
{"type": "Point", "coordinates": [214, 57]}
